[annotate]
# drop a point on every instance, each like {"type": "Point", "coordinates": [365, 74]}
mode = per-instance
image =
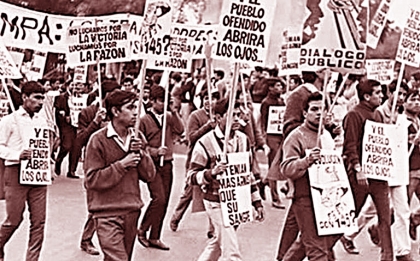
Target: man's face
{"type": "Point", "coordinates": [146, 94]}
{"type": "Point", "coordinates": [203, 73]}
{"type": "Point", "coordinates": [265, 74]}
{"type": "Point", "coordinates": [236, 116]}
{"type": "Point", "coordinates": [56, 85]}
{"type": "Point", "coordinates": [401, 97]}
{"type": "Point", "coordinates": [413, 104]}
{"type": "Point", "coordinates": [158, 105]}
{"type": "Point", "coordinates": [313, 115]}
{"type": "Point", "coordinates": [33, 103]}
{"type": "Point", "coordinates": [292, 84]}
{"type": "Point", "coordinates": [375, 99]}
{"type": "Point", "coordinates": [127, 115]}
{"type": "Point", "coordinates": [79, 88]}
{"type": "Point", "coordinates": [277, 88]}
{"type": "Point", "coordinates": [206, 102]}
{"type": "Point", "coordinates": [128, 86]}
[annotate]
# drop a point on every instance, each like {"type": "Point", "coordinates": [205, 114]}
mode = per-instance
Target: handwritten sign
{"type": "Point", "coordinates": [7, 65]}
{"type": "Point", "coordinates": [180, 56]}
{"type": "Point", "coordinates": [235, 190]}
{"type": "Point", "coordinates": [409, 46]}
{"type": "Point", "coordinates": [245, 28]}
{"type": "Point", "coordinates": [80, 74]}
{"type": "Point", "coordinates": [275, 119]}
{"type": "Point", "coordinates": [380, 70]}
{"type": "Point", "coordinates": [331, 195]}
{"type": "Point", "coordinates": [104, 43]}
{"type": "Point", "coordinates": [380, 148]}
{"type": "Point", "coordinates": [76, 105]}
{"type": "Point", "coordinates": [37, 170]}
{"type": "Point", "coordinates": [199, 33]}
{"type": "Point", "coordinates": [17, 55]}
{"type": "Point", "coordinates": [377, 24]}
{"type": "Point", "coordinates": [4, 108]}
{"type": "Point", "coordinates": [290, 52]}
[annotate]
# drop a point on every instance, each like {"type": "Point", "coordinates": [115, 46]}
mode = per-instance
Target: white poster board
{"type": "Point", "coordinates": [331, 195]}
{"type": "Point", "coordinates": [290, 51]}
{"type": "Point", "coordinates": [106, 43]}
{"type": "Point", "coordinates": [275, 119]}
{"type": "Point", "coordinates": [4, 107]}
{"type": "Point", "coordinates": [76, 105]}
{"type": "Point", "coordinates": [80, 74]}
{"type": "Point", "coordinates": [409, 47]}
{"type": "Point", "coordinates": [382, 145]}
{"type": "Point", "coordinates": [8, 67]}
{"type": "Point", "coordinates": [244, 31]}
{"type": "Point", "coordinates": [377, 24]}
{"type": "Point", "coordinates": [380, 70]}
{"type": "Point", "coordinates": [235, 190]}
{"type": "Point", "coordinates": [37, 170]}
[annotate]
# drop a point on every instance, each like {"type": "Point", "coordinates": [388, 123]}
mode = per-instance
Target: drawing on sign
{"type": "Point", "coordinates": [150, 26]}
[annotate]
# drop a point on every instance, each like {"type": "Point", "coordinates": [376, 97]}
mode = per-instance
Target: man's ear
{"type": "Point", "coordinates": [304, 114]}
{"type": "Point", "coordinates": [366, 96]}
{"type": "Point", "coordinates": [218, 117]}
{"type": "Point", "coordinates": [114, 111]}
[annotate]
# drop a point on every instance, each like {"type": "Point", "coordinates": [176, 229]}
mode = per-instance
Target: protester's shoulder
{"type": "Point", "coordinates": [296, 134]}
{"type": "Point", "coordinates": [99, 135]}
{"type": "Point", "coordinates": [6, 120]}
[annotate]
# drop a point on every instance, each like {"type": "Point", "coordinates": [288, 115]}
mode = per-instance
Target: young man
{"type": "Point", "coordinates": [204, 171]}
{"type": "Point", "coordinates": [370, 96]}
{"type": "Point", "coordinates": [295, 166]}
{"type": "Point", "coordinates": [274, 141]}
{"type": "Point", "coordinates": [13, 150]}
{"type": "Point", "coordinates": [114, 162]}
{"type": "Point", "coordinates": [199, 123]}
{"type": "Point", "coordinates": [128, 85]}
{"type": "Point", "coordinates": [160, 187]}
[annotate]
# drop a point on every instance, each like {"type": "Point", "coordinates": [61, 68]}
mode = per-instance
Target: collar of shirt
{"type": "Point", "coordinates": [159, 117]}
{"type": "Point", "coordinates": [310, 87]}
{"type": "Point", "coordinates": [22, 112]}
{"type": "Point", "coordinates": [232, 143]}
{"type": "Point", "coordinates": [111, 133]}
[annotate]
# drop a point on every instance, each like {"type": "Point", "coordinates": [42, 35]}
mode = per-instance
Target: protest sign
{"type": "Point", "coordinates": [80, 74]}
{"type": "Point", "coordinates": [331, 195]}
{"type": "Point", "coordinates": [402, 158]}
{"type": "Point", "coordinates": [37, 170]}
{"type": "Point", "coordinates": [180, 56]}
{"type": "Point", "coordinates": [76, 105]}
{"type": "Point", "coordinates": [332, 36]}
{"type": "Point", "coordinates": [17, 55]}
{"type": "Point", "coordinates": [4, 107]}
{"type": "Point", "coordinates": [7, 65]}
{"type": "Point", "coordinates": [275, 119]}
{"type": "Point", "coordinates": [235, 190]}
{"type": "Point", "coordinates": [290, 51]}
{"type": "Point", "coordinates": [153, 39]}
{"type": "Point", "coordinates": [332, 82]}
{"type": "Point", "coordinates": [244, 31]}
{"type": "Point", "coordinates": [381, 145]}
{"type": "Point", "coordinates": [37, 66]}
{"type": "Point", "coordinates": [377, 23]}
{"type": "Point", "coordinates": [105, 43]}
{"type": "Point", "coordinates": [380, 70]}
{"type": "Point", "coordinates": [409, 47]}
{"type": "Point", "coordinates": [25, 28]}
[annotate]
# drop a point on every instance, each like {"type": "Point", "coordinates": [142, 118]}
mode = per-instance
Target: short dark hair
{"type": "Point", "coordinates": [316, 96]}
{"type": "Point", "coordinates": [176, 76]}
{"type": "Point", "coordinates": [272, 81]}
{"type": "Point", "coordinates": [393, 86]}
{"type": "Point", "coordinates": [117, 99]}
{"type": "Point", "coordinates": [128, 79]}
{"type": "Point", "coordinates": [366, 86]}
{"type": "Point", "coordinates": [296, 78]}
{"type": "Point", "coordinates": [416, 75]}
{"type": "Point", "coordinates": [220, 73]}
{"type": "Point", "coordinates": [309, 77]}
{"type": "Point", "coordinates": [157, 92]}
{"type": "Point", "coordinates": [412, 92]}
{"type": "Point", "coordinates": [32, 87]}
{"type": "Point", "coordinates": [222, 106]}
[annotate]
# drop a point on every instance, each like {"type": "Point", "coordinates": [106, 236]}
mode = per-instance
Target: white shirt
{"type": "Point", "coordinates": [13, 139]}
{"type": "Point", "coordinates": [124, 145]}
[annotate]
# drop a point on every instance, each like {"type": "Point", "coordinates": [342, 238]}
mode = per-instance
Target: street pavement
{"type": "Point", "coordinates": [67, 213]}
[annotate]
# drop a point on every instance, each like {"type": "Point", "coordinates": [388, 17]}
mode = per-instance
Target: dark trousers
{"type": "Point", "coordinates": [318, 248]}
{"type": "Point", "coordinates": [88, 230]}
{"type": "Point", "coordinates": [379, 192]}
{"type": "Point", "coordinates": [117, 235]}
{"type": "Point", "coordinates": [75, 154]}
{"type": "Point", "coordinates": [287, 241]}
{"type": "Point", "coordinates": [16, 197]}
{"type": "Point", "coordinates": [274, 142]}
{"type": "Point", "coordinates": [160, 190]}
{"type": "Point", "coordinates": [67, 140]}
{"type": "Point", "coordinates": [184, 202]}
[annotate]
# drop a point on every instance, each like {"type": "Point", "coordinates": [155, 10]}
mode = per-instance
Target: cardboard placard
{"type": "Point", "coordinates": [4, 108]}
{"type": "Point", "coordinates": [377, 23]}
{"type": "Point", "coordinates": [37, 170]}
{"type": "Point", "coordinates": [235, 190]}
{"type": "Point", "coordinates": [8, 67]}
{"type": "Point", "coordinates": [76, 105]}
{"type": "Point", "coordinates": [275, 119]}
{"type": "Point", "coordinates": [380, 70]}
{"type": "Point", "coordinates": [409, 47]}
{"type": "Point", "coordinates": [331, 195]}
{"type": "Point", "coordinates": [80, 74]}
{"type": "Point", "coordinates": [290, 51]}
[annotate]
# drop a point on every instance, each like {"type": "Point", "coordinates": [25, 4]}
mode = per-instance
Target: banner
{"type": "Point", "coordinates": [244, 31]}
{"type": "Point", "coordinates": [377, 24]}
{"type": "Point", "coordinates": [24, 28]}
{"type": "Point", "coordinates": [105, 43]}
{"type": "Point", "coordinates": [180, 56]}
{"type": "Point", "coordinates": [331, 195]}
{"type": "Point", "coordinates": [275, 119]}
{"type": "Point", "coordinates": [37, 170]}
{"type": "Point", "coordinates": [333, 36]}
{"type": "Point", "coordinates": [382, 143]}
{"type": "Point", "coordinates": [409, 47]}
{"type": "Point", "coordinates": [7, 65]}
{"type": "Point", "coordinates": [80, 74]}
{"type": "Point", "coordinates": [153, 38]}
{"type": "Point", "coordinates": [235, 190]}
{"type": "Point", "coordinates": [76, 105]}
{"type": "Point", "coordinates": [380, 70]}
